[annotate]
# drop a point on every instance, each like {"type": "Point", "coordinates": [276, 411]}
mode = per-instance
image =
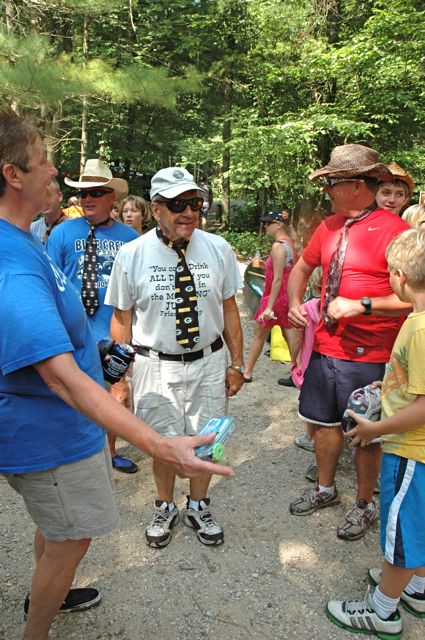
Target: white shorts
{"type": "Point", "coordinates": [177, 398]}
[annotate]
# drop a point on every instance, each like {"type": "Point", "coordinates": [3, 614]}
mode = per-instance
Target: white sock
{"type": "Point", "coordinates": [383, 605]}
{"type": "Point", "coordinates": [171, 506]}
{"type": "Point", "coordinates": [193, 504]}
{"type": "Point", "coordinates": [416, 585]}
{"type": "Point", "coordinates": [327, 490]}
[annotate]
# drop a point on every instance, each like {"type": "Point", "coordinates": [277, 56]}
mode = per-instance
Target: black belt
{"type": "Point", "coordinates": [181, 357]}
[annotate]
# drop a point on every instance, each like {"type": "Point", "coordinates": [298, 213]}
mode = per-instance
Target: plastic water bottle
{"type": "Point", "coordinates": [223, 428]}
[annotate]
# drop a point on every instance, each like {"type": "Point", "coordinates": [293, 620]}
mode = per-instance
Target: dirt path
{"type": "Point", "coordinates": [269, 581]}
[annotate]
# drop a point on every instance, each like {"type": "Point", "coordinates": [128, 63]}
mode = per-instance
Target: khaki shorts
{"type": "Point", "coordinates": [71, 502]}
{"type": "Point", "coordinates": [177, 398]}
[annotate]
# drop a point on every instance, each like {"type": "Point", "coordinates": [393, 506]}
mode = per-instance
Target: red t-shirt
{"type": "Point", "coordinates": [365, 273]}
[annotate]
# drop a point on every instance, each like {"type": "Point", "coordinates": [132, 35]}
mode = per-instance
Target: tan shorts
{"type": "Point", "coordinates": [73, 501]}
{"type": "Point", "coordinates": [177, 398]}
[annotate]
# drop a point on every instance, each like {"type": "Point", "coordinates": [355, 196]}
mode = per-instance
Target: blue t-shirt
{"type": "Point", "coordinates": [66, 246]}
{"type": "Point", "coordinates": [41, 316]}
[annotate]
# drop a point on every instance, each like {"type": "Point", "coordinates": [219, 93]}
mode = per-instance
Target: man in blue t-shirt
{"type": "Point", "coordinates": [67, 246]}
{"type": "Point", "coordinates": [52, 404]}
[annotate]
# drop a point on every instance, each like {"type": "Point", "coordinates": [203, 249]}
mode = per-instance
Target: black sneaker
{"type": "Point", "coordinates": [286, 382]}
{"type": "Point", "coordinates": [76, 600]}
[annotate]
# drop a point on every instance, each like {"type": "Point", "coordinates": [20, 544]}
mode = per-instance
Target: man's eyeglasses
{"type": "Point", "coordinates": [331, 182]}
{"type": "Point", "coordinates": [178, 206]}
{"type": "Point", "coordinates": [94, 193]}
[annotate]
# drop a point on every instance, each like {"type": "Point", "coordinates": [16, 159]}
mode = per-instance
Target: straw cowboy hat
{"type": "Point", "coordinates": [400, 174]}
{"type": "Point", "coordinates": [97, 174]}
{"type": "Point", "coordinates": [352, 160]}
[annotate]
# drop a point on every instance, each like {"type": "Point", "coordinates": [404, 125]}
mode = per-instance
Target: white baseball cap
{"type": "Point", "coordinates": [172, 181]}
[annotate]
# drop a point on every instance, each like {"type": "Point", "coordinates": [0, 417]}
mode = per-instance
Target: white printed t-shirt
{"type": "Point", "coordinates": [142, 279]}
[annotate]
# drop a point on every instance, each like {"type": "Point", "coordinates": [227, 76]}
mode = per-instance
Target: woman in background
{"type": "Point", "coordinates": [136, 213]}
{"type": "Point", "coordinates": [273, 308]}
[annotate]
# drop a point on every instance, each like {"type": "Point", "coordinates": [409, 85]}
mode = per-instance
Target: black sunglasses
{"type": "Point", "coordinates": [94, 193]}
{"type": "Point", "coordinates": [178, 206]}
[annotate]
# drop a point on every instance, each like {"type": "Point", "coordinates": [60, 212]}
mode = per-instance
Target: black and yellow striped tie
{"type": "Point", "coordinates": [185, 296]}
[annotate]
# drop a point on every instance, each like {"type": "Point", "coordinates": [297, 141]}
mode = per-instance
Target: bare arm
{"type": "Point", "coordinates": [278, 254]}
{"type": "Point", "coordinates": [297, 284]}
{"type": "Point", "coordinates": [233, 336]}
{"type": "Point", "coordinates": [384, 306]}
{"type": "Point", "coordinates": [120, 331]}
{"type": "Point", "coordinates": [121, 325]}
{"type": "Point", "coordinates": [406, 419]}
{"type": "Point", "coordinates": [66, 380]}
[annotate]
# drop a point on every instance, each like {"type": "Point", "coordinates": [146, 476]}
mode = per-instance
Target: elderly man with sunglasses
{"type": "Point", "coordinates": [92, 242]}
{"type": "Point", "coordinates": [360, 319]}
{"type": "Point", "coordinates": [174, 296]}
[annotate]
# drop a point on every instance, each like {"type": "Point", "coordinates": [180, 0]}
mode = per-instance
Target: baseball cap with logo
{"type": "Point", "coordinates": [172, 181]}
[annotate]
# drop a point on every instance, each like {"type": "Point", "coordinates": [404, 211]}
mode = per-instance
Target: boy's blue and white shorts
{"type": "Point", "coordinates": [403, 511]}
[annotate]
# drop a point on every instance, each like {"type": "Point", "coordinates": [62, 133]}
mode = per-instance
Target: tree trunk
{"type": "Point", "coordinates": [131, 126]}
{"type": "Point", "coordinates": [85, 110]}
{"type": "Point", "coordinates": [225, 178]}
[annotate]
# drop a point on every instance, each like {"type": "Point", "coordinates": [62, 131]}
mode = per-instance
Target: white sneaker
{"type": "Point", "coordinates": [158, 532]}
{"type": "Point", "coordinates": [359, 616]}
{"type": "Point", "coordinates": [207, 529]}
{"type": "Point", "coordinates": [414, 603]}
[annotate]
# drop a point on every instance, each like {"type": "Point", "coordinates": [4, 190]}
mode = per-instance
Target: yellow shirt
{"type": "Point", "coordinates": [404, 380]}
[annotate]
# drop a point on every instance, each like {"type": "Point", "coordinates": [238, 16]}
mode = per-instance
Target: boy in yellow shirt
{"type": "Point", "coordinates": [402, 427]}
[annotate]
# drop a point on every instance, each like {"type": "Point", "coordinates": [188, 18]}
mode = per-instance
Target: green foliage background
{"type": "Point", "coordinates": [250, 94]}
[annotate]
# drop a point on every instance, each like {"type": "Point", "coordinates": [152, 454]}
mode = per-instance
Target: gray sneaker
{"type": "Point", "coordinates": [357, 521]}
{"type": "Point", "coordinates": [158, 532]}
{"type": "Point", "coordinates": [413, 603]}
{"type": "Point", "coordinates": [312, 472]}
{"type": "Point", "coordinates": [311, 500]}
{"type": "Point", "coordinates": [207, 529]}
{"type": "Point", "coordinates": [303, 442]}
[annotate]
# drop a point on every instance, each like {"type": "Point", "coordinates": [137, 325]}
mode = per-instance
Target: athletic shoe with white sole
{"type": "Point", "coordinates": [76, 600]}
{"type": "Point", "coordinates": [311, 499]}
{"type": "Point", "coordinates": [209, 532]}
{"type": "Point", "coordinates": [357, 521]}
{"type": "Point", "coordinates": [359, 616]}
{"type": "Point", "coordinates": [158, 532]}
{"type": "Point", "coordinates": [413, 603]}
{"type": "Point", "coordinates": [365, 401]}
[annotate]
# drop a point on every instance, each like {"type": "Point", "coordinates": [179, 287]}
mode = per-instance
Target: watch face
{"type": "Point", "coordinates": [367, 304]}
{"type": "Point", "coordinates": [236, 367]}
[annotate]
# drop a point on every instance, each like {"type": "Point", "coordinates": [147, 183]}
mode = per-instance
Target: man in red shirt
{"type": "Point", "coordinates": [360, 318]}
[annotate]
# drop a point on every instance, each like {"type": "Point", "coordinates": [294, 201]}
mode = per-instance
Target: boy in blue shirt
{"type": "Point", "coordinates": [402, 427]}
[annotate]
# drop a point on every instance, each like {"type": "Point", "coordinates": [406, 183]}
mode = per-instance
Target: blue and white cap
{"type": "Point", "coordinates": [172, 181]}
